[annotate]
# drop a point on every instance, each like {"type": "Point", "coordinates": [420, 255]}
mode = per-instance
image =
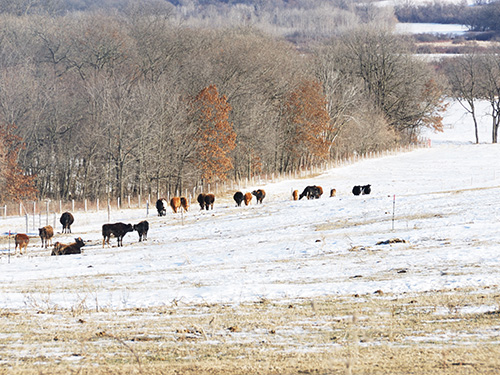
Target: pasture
{"type": "Point", "coordinates": [404, 280]}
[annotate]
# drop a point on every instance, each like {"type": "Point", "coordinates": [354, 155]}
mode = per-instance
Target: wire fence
{"type": "Point", "coordinates": [46, 211]}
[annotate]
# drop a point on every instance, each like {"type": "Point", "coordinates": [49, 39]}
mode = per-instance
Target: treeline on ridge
{"type": "Point", "coordinates": [112, 104]}
{"type": "Point", "coordinates": [480, 17]}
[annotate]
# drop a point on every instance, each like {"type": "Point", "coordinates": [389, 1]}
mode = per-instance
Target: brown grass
{"type": "Point", "coordinates": [452, 332]}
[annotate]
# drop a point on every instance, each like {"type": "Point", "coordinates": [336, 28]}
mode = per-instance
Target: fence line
{"type": "Point", "coordinates": [34, 208]}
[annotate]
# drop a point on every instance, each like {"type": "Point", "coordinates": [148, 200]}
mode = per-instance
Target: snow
{"type": "Point", "coordinates": [447, 209]}
{"type": "Point", "coordinates": [430, 28]}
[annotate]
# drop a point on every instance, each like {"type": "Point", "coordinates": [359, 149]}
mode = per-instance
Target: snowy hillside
{"type": "Point", "coordinates": [447, 211]}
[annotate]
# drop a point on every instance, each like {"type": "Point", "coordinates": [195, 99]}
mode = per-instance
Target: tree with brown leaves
{"type": "Point", "coordinates": [215, 134]}
{"type": "Point", "coordinates": [14, 183]}
{"type": "Point", "coordinates": [308, 123]}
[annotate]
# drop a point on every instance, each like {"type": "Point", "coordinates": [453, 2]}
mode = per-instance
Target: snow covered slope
{"type": "Point", "coordinates": [447, 207]}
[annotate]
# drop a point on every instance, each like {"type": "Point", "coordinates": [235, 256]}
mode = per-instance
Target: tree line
{"type": "Point", "coordinates": [110, 103]}
{"type": "Point", "coordinates": [483, 16]}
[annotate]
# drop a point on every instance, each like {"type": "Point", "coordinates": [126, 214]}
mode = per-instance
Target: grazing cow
{"type": "Point", "coordinates": [21, 240]}
{"type": "Point", "coordinates": [184, 203]}
{"type": "Point", "coordinates": [175, 203]}
{"type": "Point", "coordinates": [46, 233]}
{"type": "Point", "coordinates": [295, 195]}
{"type": "Point", "coordinates": [161, 206]}
{"type": "Point", "coordinates": [333, 192]}
{"type": "Point", "coordinates": [365, 190]}
{"type": "Point", "coordinates": [259, 194]}
{"type": "Point", "coordinates": [66, 220]}
{"type": "Point", "coordinates": [247, 198]}
{"type": "Point", "coordinates": [209, 201]}
{"type": "Point", "coordinates": [142, 228]}
{"type": "Point", "coordinates": [119, 230]}
{"type": "Point", "coordinates": [201, 200]}
{"type": "Point", "coordinates": [72, 248]}
{"type": "Point", "coordinates": [312, 192]}
{"type": "Point", "coordinates": [356, 190]}
{"type": "Point", "coordinates": [238, 198]}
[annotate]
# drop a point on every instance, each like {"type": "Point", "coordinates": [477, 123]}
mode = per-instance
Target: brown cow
{"type": "Point", "coordinates": [209, 201]}
{"type": "Point", "coordinates": [184, 203]}
{"type": "Point", "coordinates": [46, 233]}
{"type": "Point", "coordinates": [247, 198]}
{"type": "Point", "coordinates": [295, 195]}
{"type": "Point", "coordinates": [260, 194]}
{"type": "Point", "coordinates": [333, 192]}
{"type": "Point", "coordinates": [57, 247]}
{"type": "Point", "coordinates": [72, 248]}
{"type": "Point", "coordinates": [175, 203]}
{"type": "Point", "coordinates": [21, 240]}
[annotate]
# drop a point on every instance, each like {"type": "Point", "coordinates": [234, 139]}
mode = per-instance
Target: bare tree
{"type": "Point", "coordinates": [490, 88]}
{"type": "Point", "coordinates": [403, 87]}
{"type": "Point", "coordinates": [464, 77]}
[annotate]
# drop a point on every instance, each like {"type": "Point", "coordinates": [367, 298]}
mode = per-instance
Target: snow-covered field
{"type": "Point", "coordinates": [447, 209]}
{"type": "Point", "coordinates": [431, 28]}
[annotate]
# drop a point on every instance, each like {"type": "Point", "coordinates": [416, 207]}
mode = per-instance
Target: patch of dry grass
{"type": "Point", "coordinates": [452, 332]}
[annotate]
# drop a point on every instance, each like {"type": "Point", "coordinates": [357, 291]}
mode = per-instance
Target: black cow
{"type": "Point", "coordinates": [238, 198]}
{"type": "Point", "coordinates": [209, 201]}
{"type": "Point", "coordinates": [260, 194]}
{"type": "Point", "coordinates": [201, 200]}
{"type": "Point", "coordinates": [66, 220]}
{"type": "Point", "coordinates": [311, 192]}
{"type": "Point", "coordinates": [161, 206]}
{"type": "Point", "coordinates": [119, 230]}
{"type": "Point", "coordinates": [142, 228]}
{"type": "Point", "coordinates": [364, 190]}
{"type": "Point", "coordinates": [73, 248]}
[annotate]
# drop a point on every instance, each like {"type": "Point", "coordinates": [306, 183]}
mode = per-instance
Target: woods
{"type": "Point", "coordinates": [112, 103]}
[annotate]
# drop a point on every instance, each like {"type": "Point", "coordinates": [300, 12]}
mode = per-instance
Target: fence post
{"type": "Point", "coordinates": [34, 215]}
{"type": "Point", "coordinates": [97, 205]}
{"type": "Point", "coordinates": [118, 203]}
{"type": "Point", "coordinates": [129, 201]}
{"type": "Point", "coordinates": [47, 203]}
{"type": "Point", "coordinates": [139, 201]}
{"type": "Point", "coordinates": [72, 205]}
{"type": "Point", "coordinates": [4, 211]}
{"type": "Point", "coordinates": [85, 205]}
{"type": "Point", "coordinates": [60, 206]}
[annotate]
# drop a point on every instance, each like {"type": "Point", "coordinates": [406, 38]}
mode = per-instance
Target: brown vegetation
{"type": "Point", "coordinates": [428, 333]}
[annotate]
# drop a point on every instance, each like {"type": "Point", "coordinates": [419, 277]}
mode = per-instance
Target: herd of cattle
{"type": "Point", "coordinates": [119, 230]}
